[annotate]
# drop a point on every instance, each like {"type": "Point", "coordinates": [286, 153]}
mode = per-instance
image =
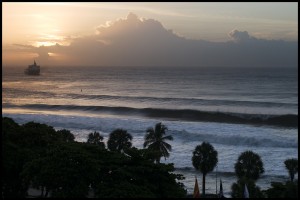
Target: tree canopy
{"type": "Point", "coordinates": [155, 140]}
{"type": "Point", "coordinates": [37, 156]}
{"type": "Point", "coordinates": [238, 189]}
{"type": "Point", "coordinates": [292, 167]}
{"type": "Point", "coordinates": [204, 159]}
{"type": "Point", "coordinates": [119, 140]}
{"type": "Point", "coordinates": [96, 138]}
{"type": "Point", "coordinates": [249, 165]}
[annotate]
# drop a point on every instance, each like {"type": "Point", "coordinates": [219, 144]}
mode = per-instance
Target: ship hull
{"type": "Point", "coordinates": [32, 72]}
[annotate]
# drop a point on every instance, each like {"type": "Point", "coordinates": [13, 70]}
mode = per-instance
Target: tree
{"type": "Point", "coordinates": [66, 135]}
{"type": "Point", "coordinates": [133, 175]}
{"type": "Point", "coordinates": [13, 160]}
{"type": "Point", "coordinates": [249, 165]}
{"type": "Point", "coordinates": [204, 159]}
{"type": "Point", "coordinates": [10, 129]}
{"type": "Point", "coordinates": [66, 170]}
{"type": "Point", "coordinates": [155, 141]}
{"type": "Point", "coordinates": [60, 168]}
{"type": "Point", "coordinates": [283, 190]}
{"type": "Point", "coordinates": [96, 138]}
{"type": "Point", "coordinates": [119, 140]}
{"type": "Point", "coordinates": [292, 167]}
{"type": "Point", "coordinates": [237, 189]}
{"type": "Point", "coordinates": [39, 136]}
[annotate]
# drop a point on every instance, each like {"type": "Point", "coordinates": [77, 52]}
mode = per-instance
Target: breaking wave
{"type": "Point", "coordinates": [288, 120]}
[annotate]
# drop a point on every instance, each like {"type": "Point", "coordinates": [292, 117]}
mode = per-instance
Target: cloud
{"type": "Point", "coordinates": [43, 52]}
{"type": "Point", "coordinates": [133, 41]}
{"type": "Point", "coordinates": [239, 36]}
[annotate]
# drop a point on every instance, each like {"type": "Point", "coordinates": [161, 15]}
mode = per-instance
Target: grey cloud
{"type": "Point", "coordinates": [24, 46]}
{"type": "Point", "coordinates": [136, 42]}
{"type": "Point", "coordinates": [239, 35]}
{"type": "Point", "coordinates": [42, 51]}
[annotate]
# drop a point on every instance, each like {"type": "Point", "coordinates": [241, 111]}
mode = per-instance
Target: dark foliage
{"type": "Point", "coordinates": [119, 140]}
{"type": "Point", "coordinates": [237, 189]}
{"type": "Point", "coordinates": [96, 138]}
{"type": "Point", "coordinates": [249, 165]}
{"type": "Point", "coordinates": [283, 190]}
{"type": "Point", "coordinates": [67, 136]}
{"type": "Point", "coordinates": [204, 159]}
{"type": "Point", "coordinates": [292, 167]}
{"type": "Point", "coordinates": [53, 162]}
{"type": "Point", "coordinates": [155, 141]}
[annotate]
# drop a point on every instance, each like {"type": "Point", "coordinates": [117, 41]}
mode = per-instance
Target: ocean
{"type": "Point", "coordinates": [234, 109]}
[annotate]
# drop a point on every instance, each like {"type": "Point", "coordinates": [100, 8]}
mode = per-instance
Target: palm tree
{"type": "Point", "coordinates": [155, 141]}
{"type": "Point", "coordinates": [204, 159]}
{"type": "Point", "coordinates": [96, 138]}
{"type": "Point", "coordinates": [119, 140]}
{"type": "Point", "coordinates": [238, 189]}
{"type": "Point", "coordinates": [249, 165]}
{"type": "Point", "coordinates": [292, 167]}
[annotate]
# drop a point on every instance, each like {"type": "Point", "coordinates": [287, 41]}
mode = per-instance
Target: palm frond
{"type": "Point", "coordinates": [167, 146]}
{"type": "Point", "coordinates": [168, 137]}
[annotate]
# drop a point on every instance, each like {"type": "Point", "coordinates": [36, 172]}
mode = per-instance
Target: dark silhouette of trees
{"type": "Point", "coordinates": [237, 189]}
{"type": "Point", "coordinates": [204, 159]}
{"type": "Point", "coordinates": [248, 168]}
{"type": "Point", "coordinates": [119, 140]}
{"type": "Point", "coordinates": [10, 129]}
{"type": "Point", "coordinates": [34, 138]}
{"type": "Point", "coordinates": [133, 175]}
{"type": "Point", "coordinates": [249, 165]}
{"type": "Point", "coordinates": [61, 168]}
{"type": "Point", "coordinates": [283, 190]}
{"type": "Point", "coordinates": [67, 136]}
{"type": "Point", "coordinates": [96, 138]}
{"type": "Point", "coordinates": [13, 160]}
{"type": "Point", "coordinates": [65, 171]}
{"type": "Point", "coordinates": [155, 141]}
{"type": "Point", "coordinates": [292, 167]}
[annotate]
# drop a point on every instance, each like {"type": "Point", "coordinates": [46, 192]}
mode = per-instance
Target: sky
{"type": "Point", "coordinates": [146, 34]}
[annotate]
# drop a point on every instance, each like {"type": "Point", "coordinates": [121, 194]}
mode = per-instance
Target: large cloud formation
{"type": "Point", "coordinates": [240, 35]}
{"type": "Point", "coordinates": [145, 42]}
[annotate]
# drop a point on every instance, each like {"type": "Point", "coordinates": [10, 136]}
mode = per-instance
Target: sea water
{"type": "Point", "coordinates": [194, 103]}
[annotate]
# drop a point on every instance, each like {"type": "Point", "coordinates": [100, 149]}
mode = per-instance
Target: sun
{"type": "Point", "coordinates": [45, 43]}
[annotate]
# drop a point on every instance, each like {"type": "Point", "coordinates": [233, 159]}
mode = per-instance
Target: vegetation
{"type": "Point", "coordinates": [66, 171]}
{"type": "Point", "coordinates": [37, 156]}
{"type": "Point", "coordinates": [119, 140]}
{"type": "Point", "coordinates": [237, 189]}
{"type": "Point", "coordinates": [67, 135]}
{"type": "Point", "coordinates": [155, 141]}
{"type": "Point", "coordinates": [282, 190]}
{"type": "Point", "coordinates": [96, 138]}
{"type": "Point", "coordinates": [204, 159]}
{"type": "Point", "coordinates": [292, 167]}
{"type": "Point", "coordinates": [248, 168]}
{"type": "Point", "coordinates": [249, 165]}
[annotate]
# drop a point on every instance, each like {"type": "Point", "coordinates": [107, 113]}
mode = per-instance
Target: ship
{"type": "Point", "coordinates": [32, 69]}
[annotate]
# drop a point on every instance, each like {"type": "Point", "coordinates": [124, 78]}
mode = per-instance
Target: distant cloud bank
{"type": "Point", "coordinates": [145, 42]}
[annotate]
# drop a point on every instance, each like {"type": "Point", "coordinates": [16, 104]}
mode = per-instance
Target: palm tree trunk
{"type": "Point", "coordinates": [292, 177]}
{"type": "Point", "coordinates": [203, 185]}
{"type": "Point", "coordinates": [46, 195]}
{"type": "Point", "coordinates": [42, 195]}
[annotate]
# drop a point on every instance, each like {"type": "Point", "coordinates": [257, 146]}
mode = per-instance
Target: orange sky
{"type": "Point", "coordinates": [45, 30]}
